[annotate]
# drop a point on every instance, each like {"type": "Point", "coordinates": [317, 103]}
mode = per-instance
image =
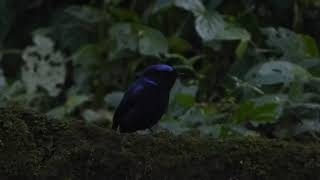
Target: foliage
{"type": "Point", "coordinates": [43, 67]}
{"type": "Point", "coordinates": [245, 66]}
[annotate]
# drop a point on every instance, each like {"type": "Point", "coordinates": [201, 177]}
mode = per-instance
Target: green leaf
{"type": "Point", "coordinates": [75, 101]}
{"type": "Point", "coordinates": [310, 46]}
{"type": "Point", "coordinates": [209, 25]}
{"type": "Point", "coordinates": [241, 49]}
{"type": "Point", "coordinates": [249, 111]}
{"type": "Point", "coordinates": [185, 100]}
{"type": "Point", "coordinates": [85, 14]}
{"type": "Point", "coordinates": [242, 114]}
{"type": "Point", "coordinates": [43, 67]}
{"type": "Point", "coordinates": [124, 38]}
{"type": "Point", "coordinates": [90, 115]}
{"type": "Point", "coordinates": [296, 90]}
{"type": "Point", "coordinates": [275, 72]}
{"type": "Point", "coordinates": [232, 32]}
{"type": "Point", "coordinates": [193, 117]}
{"type": "Point", "coordinates": [86, 55]}
{"type": "Point", "coordinates": [177, 44]}
{"type": "Point", "coordinates": [271, 98]}
{"type": "Point", "coordinates": [57, 112]}
{"type": "Point", "coordinates": [308, 114]}
{"type": "Point", "coordinates": [195, 6]}
{"type": "Point", "coordinates": [307, 126]}
{"type": "Point", "coordinates": [278, 99]}
{"type": "Point", "coordinates": [266, 113]}
{"type": "Point", "coordinates": [152, 42]}
{"type": "Point", "coordinates": [113, 99]}
{"type": "Point", "coordinates": [133, 37]}
{"type": "Point", "coordinates": [292, 46]}
{"type": "Point", "coordinates": [182, 97]}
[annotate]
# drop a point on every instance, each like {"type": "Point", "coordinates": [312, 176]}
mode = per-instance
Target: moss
{"type": "Point", "coordinates": [26, 140]}
{"type": "Point", "coordinates": [36, 147]}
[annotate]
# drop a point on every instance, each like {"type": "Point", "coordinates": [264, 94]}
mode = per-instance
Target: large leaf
{"type": "Point", "coordinates": [250, 111]}
{"type": "Point", "coordinates": [292, 46]}
{"type": "Point", "coordinates": [279, 100]}
{"type": "Point", "coordinates": [75, 101]}
{"type": "Point", "coordinates": [43, 67]}
{"type": "Point", "coordinates": [311, 47]}
{"type": "Point", "coordinates": [178, 44]}
{"type": "Point", "coordinates": [307, 126]}
{"type": "Point", "coordinates": [151, 41]}
{"type": "Point", "coordinates": [275, 72]}
{"type": "Point", "coordinates": [308, 114]}
{"type": "Point", "coordinates": [241, 49]}
{"type": "Point", "coordinates": [195, 6]}
{"type": "Point", "coordinates": [113, 99]}
{"type": "Point", "coordinates": [232, 32]}
{"type": "Point", "coordinates": [123, 37]}
{"type": "Point", "coordinates": [305, 110]}
{"type": "Point", "coordinates": [193, 117]}
{"type": "Point", "coordinates": [185, 100]}
{"type": "Point", "coordinates": [209, 25]}
{"type": "Point", "coordinates": [90, 115]}
{"type": "Point", "coordinates": [182, 97]}
{"type": "Point", "coordinates": [133, 37]}
{"type": "Point", "coordinates": [85, 14]}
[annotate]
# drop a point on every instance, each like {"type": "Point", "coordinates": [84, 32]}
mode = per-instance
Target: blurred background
{"type": "Point", "coordinates": [251, 68]}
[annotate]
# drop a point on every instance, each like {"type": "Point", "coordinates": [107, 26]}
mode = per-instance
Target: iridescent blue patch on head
{"type": "Point", "coordinates": [160, 75]}
{"type": "Point", "coordinates": [160, 67]}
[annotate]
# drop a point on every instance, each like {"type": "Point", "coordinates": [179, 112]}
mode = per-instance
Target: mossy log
{"type": "Point", "coordinates": [33, 146]}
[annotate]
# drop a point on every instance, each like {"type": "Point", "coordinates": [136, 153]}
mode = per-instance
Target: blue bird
{"type": "Point", "coordinates": [146, 100]}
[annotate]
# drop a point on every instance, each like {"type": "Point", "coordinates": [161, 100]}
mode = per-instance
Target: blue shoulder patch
{"type": "Point", "coordinates": [149, 81]}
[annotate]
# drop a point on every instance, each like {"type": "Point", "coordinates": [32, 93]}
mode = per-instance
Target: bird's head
{"type": "Point", "coordinates": [163, 75]}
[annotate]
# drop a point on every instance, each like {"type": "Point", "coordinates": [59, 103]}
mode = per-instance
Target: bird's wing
{"type": "Point", "coordinates": [128, 101]}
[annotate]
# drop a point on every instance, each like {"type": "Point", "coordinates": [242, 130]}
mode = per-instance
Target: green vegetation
{"type": "Point", "coordinates": [251, 68]}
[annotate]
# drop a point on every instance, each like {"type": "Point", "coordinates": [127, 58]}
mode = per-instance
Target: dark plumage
{"type": "Point", "coordinates": [146, 100]}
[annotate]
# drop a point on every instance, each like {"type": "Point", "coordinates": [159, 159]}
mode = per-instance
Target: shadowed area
{"type": "Point", "coordinates": [33, 146]}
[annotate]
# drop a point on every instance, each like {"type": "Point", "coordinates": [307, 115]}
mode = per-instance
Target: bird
{"type": "Point", "coordinates": [146, 99]}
